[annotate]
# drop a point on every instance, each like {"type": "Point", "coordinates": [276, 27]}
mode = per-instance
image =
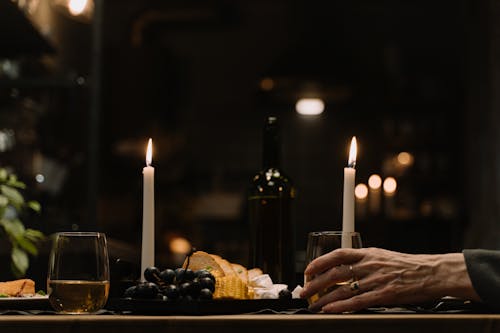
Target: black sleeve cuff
{"type": "Point", "coordinates": [483, 267]}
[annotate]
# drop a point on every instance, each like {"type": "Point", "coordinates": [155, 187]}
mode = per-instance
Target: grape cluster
{"type": "Point", "coordinates": [175, 284]}
{"type": "Point", "coordinates": [285, 294]}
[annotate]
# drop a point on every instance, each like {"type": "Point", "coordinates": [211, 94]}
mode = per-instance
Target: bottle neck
{"type": "Point", "coordinates": [271, 152]}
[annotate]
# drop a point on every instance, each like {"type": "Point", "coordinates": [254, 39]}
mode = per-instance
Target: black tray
{"type": "Point", "coordinates": [203, 307]}
{"type": "Point", "coordinates": [25, 303]}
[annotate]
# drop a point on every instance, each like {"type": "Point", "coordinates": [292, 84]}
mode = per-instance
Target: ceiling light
{"type": "Point", "coordinates": [310, 106]}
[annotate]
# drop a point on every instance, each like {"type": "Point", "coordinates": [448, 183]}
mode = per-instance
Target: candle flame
{"type": "Point", "coordinates": [352, 153]}
{"type": "Point", "coordinates": [149, 152]}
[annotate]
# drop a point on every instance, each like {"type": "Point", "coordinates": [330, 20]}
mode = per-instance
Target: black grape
{"type": "Point", "coordinates": [152, 274]}
{"type": "Point", "coordinates": [206, 294]}
{"type": "Point", "coordinates": [285, 294]}
{"type": "Point", "coordinates": [168, 275]}
{"type": "Point", "coordinates": [208, 283]}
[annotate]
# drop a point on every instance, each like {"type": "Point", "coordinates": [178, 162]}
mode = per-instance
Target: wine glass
{"type": "Point", "coordinates": [322, 242]}
{"type": "Point", "coordinates": [78, 275]}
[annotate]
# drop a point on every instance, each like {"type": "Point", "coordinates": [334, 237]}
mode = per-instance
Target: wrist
{"type": "Point", "coordinates": [453, 278]}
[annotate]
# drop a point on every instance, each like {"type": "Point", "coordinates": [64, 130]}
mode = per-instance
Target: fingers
{"type": "Point", "coordinates": [342, 292]}
{"type": "Point", "coordinates": [334, 258]}
{"type": "Point", "coordinates": [355, 303]}
{"type": "Point", "coordinates": [356, 295]}
{"type": "Point", "coordinates": [324, 281]}
{"type": "Point", "coordinates": [330, 269]}
{"type": "Point", "coordinates": [351, 297]}
{"type": "Point", "coordinates": [383, 279]}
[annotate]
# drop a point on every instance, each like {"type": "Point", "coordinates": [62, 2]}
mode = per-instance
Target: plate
{"type": "Point", "coordinates": [203, 307]}
{"type": "Point", "coordinates": [25, 303]}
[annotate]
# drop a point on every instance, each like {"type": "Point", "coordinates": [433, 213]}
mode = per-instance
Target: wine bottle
{"type": "Point", "coordinates": [270, 196]}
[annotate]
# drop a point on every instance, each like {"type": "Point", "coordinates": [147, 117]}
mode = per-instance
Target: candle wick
{"type": "Point", "coordinates": [352, 165]}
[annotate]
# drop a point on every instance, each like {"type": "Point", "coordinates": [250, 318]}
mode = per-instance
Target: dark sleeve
{"type": "Point", "coordinates": [483, 267]}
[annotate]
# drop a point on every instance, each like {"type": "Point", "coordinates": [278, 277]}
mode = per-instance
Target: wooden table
{"type": "Point", "coordinates": [303, 323]}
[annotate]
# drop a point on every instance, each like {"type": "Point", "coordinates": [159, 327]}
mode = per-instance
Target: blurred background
{"type": "Point", "coordinates": [85, 83]}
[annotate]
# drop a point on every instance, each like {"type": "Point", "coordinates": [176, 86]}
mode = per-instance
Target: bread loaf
{"type": "Point", "coordinates": [225, 265]}
{"type": "Point", "coordinates": [231, 279]}
{"type": "Point", "coordinates": [22, 287]}
{"type": "Point", "coordinates": [202, 260]}
{"type": "Point", "coordinates": [241, 271]}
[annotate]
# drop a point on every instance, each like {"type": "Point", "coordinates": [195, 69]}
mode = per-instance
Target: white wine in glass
{"type": "Point", "coordinates": [78, 279]}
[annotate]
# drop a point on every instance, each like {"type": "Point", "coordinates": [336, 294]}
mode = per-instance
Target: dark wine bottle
{"type": "Point", "coordinates": [270, 196]}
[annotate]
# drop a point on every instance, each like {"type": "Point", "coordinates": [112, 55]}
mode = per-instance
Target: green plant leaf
{"type": "Point", "coordinates": [13, 228]}
{"type": "Point", "coordinates": [4, 201]}
{"type": "Point", "coordinates": [27, 245]}
{"type": "Point", "coordinates": [15, 271]}
{"type": "Point", "coordinates": [12, 205]}
{"type": "Point", "coordinates": [14, 196]}
{"type": "Point", "coordinates": [14, 182]}
{"type": "Point", "coordinates": [34, 205]}
{"type": "Point", "coordinates": [17, 184]}
{"type": "Point", "coordinates": [20, 260]}
{"type": "Point", "coordinates": [3, 175]}
{"type": "Point", "coordinates": [34, 235]}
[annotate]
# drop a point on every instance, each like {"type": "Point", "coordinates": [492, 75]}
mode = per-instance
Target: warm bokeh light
{"type": "Point", "coordinates": [353, 151]}
{"type": "Point", "coordinates": [405, 158]}
{"type": "Point", "coordinates": [77, 7]}
{"type": "Point", "coordinates": [375, 181]}
{"type": "Point", "coordinates": [426, 208]}
{"type": "Point", "coordinates": [361, 191]}
{"type": "Point", "coordinates": [149, 152]}
{"type": "Point", "coordinates": [267, 84]}
{"type": "Point", "coordinates": [310, 106]}
{"type": "Point", "coordinates": [179, 245]}
{"type": "Point", "coordinates": [390, 185]}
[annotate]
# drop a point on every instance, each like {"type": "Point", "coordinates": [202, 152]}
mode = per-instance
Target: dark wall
{"type": "Point", "coordinates": [189, 78]}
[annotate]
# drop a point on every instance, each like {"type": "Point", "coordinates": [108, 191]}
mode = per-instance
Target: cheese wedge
{"type": "Point", "coordinates": [253, 273]}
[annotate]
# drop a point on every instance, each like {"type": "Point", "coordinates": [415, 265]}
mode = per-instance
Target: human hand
{"type": "Point", "coordinates": [385, 278]}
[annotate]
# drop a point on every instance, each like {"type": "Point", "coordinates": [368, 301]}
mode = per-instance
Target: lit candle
{"type": "Point", "coordinates": [348, 206]}
{"type": "Point", "coordinates": [148, 213]}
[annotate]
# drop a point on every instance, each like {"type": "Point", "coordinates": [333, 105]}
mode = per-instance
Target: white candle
{"type": "Point", "coordinates": [148, 213]}
{"type": "Point", "coordinates": [348, 203]}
